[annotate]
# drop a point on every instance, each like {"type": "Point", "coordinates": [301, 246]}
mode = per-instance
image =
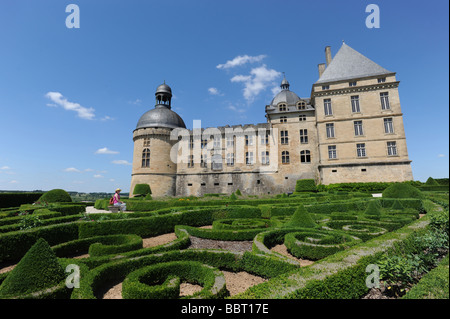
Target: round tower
{"type": "Point", "coordinates": [152, 146]}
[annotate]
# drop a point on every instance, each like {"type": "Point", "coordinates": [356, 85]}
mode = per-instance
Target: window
{"type": "Point", "coordinates": [216, 162]}
{"type": "Point", "coordinates": [305, 156]}
{"type": "Point", "coordinates": [361, 150]}
{"type": "Point", "coordinates": [248, 139]}
{"type": "Point", "coordinates": [249, 158]}
{"type": "Point", "coordinates": [352, 83]}
{"type": "Point", "coordinates": [327, 107]}
{"type": "Point", "coordinates": [204, 143]}
{"type": "Point", "coordinates": [284, 137]}
{"type": "Point", "coordinates": [384, 97]}
{"type": "Point", "coordinates": [285, 157]}
{"type": "Point", "coordinates": [191, 142]}
{"type": "Point", "coordinates": [358, 128]}
{"type": "Point", "coordinates": [283, 119]}
{"type": "Point", "coordinates": [301, 105]}
{"type": "Point", "coordinates": [203, 161]}
{"type": "Point", "coordinates": [230, 141]}
{"type": "Point", "coordinates": [355, 104]}
{"type": "Point", "coordinates": [191, 161]}
{"type": "Point", "coordinates": [392, 148]}
{"type": "Point", "coordinates": [302, 117]}
{"type": "Point", "coordinates": [381, 80]}
{"type": "Point", "coordinates": [146, 141]}
{"type": "Point", "coordinates": [332, 152]}
{"type": "Point", "coordinates": [265, 158]}
{"type": "Point", "coordinates": [217, 142]}
{"type": "Point", "coordinates": [388, 126]}
{"type": "Point", "coordinates": [304, 136]}
{"type": "Point", "coordinates": [230, 159]}
{"type": "Point", "coordinates": [330, 130]}
{"type": "Point", "coordinates": [146, 157]}
{"type": "Point", "coordinates": [265, 138]}
{"type": "Point", "coordinates": [325, 87]}
{"type": "Point", "coordinates": [282, 107]}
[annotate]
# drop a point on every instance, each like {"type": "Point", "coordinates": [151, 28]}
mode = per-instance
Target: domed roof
{"type": "Point", "coordinates": [163, 88]}
{"type": "Point", "coordinates": [286, 96]}
{"type": "Point", "coordinates": [160, 117]}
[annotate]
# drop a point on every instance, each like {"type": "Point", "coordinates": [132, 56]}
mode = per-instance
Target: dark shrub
{"type": "Point", "coordinates": [402, 190]}
{"type": "Point", "coordinates": [306, 185]}
{"type": "Point", "coordinates": [55, 196]}
{"type": "Point", "coordinates": [142, 190]}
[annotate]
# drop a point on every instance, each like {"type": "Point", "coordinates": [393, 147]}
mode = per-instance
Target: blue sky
{"type": "Point", "coordinates": [70, 98]}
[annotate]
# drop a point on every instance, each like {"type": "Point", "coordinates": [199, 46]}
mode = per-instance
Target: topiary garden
{"type": "Point", "coordinates": [307, 245]}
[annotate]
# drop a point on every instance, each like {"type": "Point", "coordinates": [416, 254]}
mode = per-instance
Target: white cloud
{"type": "Point", "coordinates": [5, 167]}
{"type": "Point", "coordinates": [14, 182]}
{"type": "Point", "coordinates": [98, 176]}
{"type": "Point", "coordinates": [72, 170]}
{"type": "Point", "coordinates": [236, 109]}
{"type": "Point", "coordinates": [106, 118]}
{"type": "Point", "coordinates": [441, 155]}
{"type": "Point", "coordinates": [105, 150]}
{"type": "Point", "coordinates": [88, 170]}
{"type": "Point", "coordinates": [136, 102]}
{"type": "Point", "coordinates": [58, 99]}
{"type": "Point", "coordinates": [257, 81]}
{"type": "Point", "coordinates": [240, 60]}
{"type": "Point", "coordinates": [275, 90]}
{"type": "Point", "coordinates": [121, 162]}
{"type": "Point", "coordinates": [214, 91]}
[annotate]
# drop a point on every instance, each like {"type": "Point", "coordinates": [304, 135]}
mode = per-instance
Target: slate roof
{"type": "Point", "coordinates": [349, 64]}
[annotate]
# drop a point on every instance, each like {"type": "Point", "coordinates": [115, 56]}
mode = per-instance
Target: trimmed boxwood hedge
{"type": "Point", "coordinates": [162, 281]}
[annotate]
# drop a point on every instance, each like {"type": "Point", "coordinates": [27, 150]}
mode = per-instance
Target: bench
{"type": "Point", "coordinates": [114, 209]}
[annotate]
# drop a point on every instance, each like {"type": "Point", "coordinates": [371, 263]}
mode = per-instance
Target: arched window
{"type": "Point", "coordinates": [146, 157]}
{"type": "Point", "coordinates": [285, 157]}
{"type": "Point", "coordinates": [305, 157]}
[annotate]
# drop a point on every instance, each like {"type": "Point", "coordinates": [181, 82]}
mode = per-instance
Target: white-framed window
{"type": "Point", "coordinates": [391, 148]}
{"type": "Point", "coordinates": [361, 150]}
{"type": "Point", "coordinates": [388, 125]}
{"type": "Point", "coordinates": [381, 80]}
{"type": "Point", "coordinates": [265, 138]}
{"type": "Point", "coordinates": [358, 128]}
{"type": "Point", "coordinates": [304, 136]}
{"type": "Point", "coordinates": [230, 141]}
{"type": "Point", "coordinates": [146, 141]}
{"type": "Point", "coordinates": [384, 97]}
{"type": "Point", "coordinates": [204, 143]}
{"type": "Point", "coordinates": [282, 107]}
{"type": "Point", "coordinates": [305, 156]}
{"type": "Point", "coordinates": [332, 154]}
{"type": "Point", "coordinates": [302, 117]}
{"type": "Point", "coordinates": [330, 130]}
{"type": "Point", "coordinates": [284, 137]}
{"type": "Point", "coordinates": [265, 158]}
{"type": "Point", "coordinates": [217, 142]}
{"type": "Point", "coordinates": [327, 107]}
{"type": "Point", "coordinates": [285, 157]}
{"type": "Point", "coordinates": [355, 104]}
{"type": "Point", "coordinates": [248, 139]}
{"type": "Point", "coordinates": [230, 159]}
{"type": "Point", "coordinates": [249, 158]}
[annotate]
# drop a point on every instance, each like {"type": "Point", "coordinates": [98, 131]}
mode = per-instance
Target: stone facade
{"type": "Point", "coordinates": [349, 130]}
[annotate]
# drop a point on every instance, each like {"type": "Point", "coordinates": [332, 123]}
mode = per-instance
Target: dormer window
{"type": "Point", "coordinates": [301, 105]}
{"type": "Point", "coordinates": [282, 107]}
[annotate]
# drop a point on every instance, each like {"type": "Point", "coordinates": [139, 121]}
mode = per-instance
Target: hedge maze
{"type": "Point", "coordinates": [338, 233]}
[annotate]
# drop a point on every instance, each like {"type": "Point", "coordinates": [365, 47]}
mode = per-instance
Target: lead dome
{"type": "Point", "coordinates": [161, 115]}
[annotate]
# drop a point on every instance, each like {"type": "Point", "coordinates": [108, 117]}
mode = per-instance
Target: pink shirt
{"type": "Point", "coordinates": [116, 198]}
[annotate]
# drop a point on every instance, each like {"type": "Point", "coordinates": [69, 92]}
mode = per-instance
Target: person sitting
{"type": "Point", "coordinates": [118, 202]}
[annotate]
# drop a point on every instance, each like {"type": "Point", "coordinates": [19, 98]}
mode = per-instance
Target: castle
{"type": "Point", "coordinates": [349, 130]}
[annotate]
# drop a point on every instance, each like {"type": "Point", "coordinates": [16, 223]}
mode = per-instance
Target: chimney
{"type": "Point", "coordinates": [328, 55]}
{"type": "Point", "coordinates": [321, 69]}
